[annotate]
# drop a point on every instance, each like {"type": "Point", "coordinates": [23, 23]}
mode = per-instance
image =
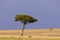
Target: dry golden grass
{"type": "Point", "coordinates": [34, 33]}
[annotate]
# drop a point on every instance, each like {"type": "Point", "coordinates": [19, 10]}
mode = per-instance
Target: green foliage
{"type": "Point", "coordinates": [25, 18]}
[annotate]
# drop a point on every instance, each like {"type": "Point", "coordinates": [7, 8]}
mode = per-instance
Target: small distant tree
{"type": "Point", "coordinates": [51, 28]}
{"type": "Point", "coordinates": [24, 19]}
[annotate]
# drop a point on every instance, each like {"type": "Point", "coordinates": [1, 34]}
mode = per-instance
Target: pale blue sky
{"type": "Point", "coordinates": [46, 11]}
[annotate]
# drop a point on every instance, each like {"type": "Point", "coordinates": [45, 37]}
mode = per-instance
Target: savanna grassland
{"type": "Point", "coordinates": [33, 34]}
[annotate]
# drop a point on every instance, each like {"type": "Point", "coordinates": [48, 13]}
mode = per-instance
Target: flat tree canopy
{"type": "Point", "coordinates": [25, 18]}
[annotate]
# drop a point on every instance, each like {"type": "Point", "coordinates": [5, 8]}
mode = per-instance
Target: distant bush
{"type": "Point", "coordinates": [29, 36]}
{"type": "Point", "coordinates": [51, 28]}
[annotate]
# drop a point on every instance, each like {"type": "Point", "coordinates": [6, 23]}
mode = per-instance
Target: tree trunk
{"type": "Point", "coordinates": [23, 29]}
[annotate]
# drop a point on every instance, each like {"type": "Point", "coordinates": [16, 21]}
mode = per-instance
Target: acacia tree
{"type": "Point", "coordinates": [24, 19]}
